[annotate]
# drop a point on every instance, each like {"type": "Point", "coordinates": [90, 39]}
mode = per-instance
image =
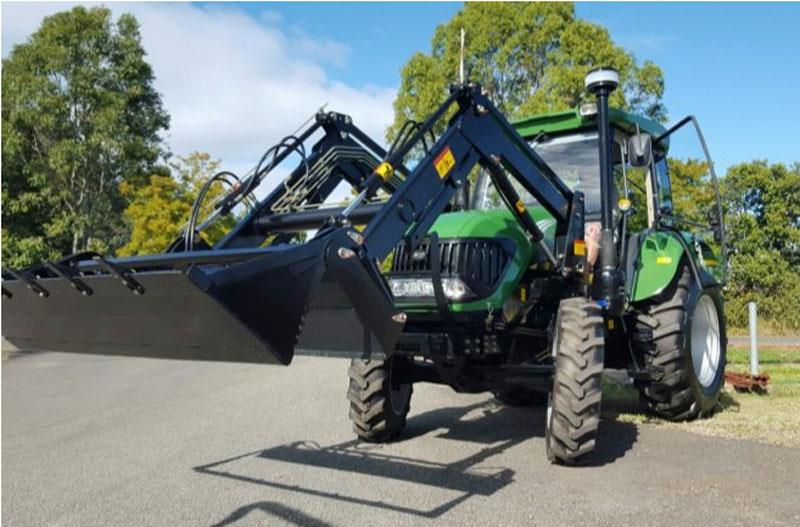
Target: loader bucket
{"type": "Point", "coordinates": [219, 305]}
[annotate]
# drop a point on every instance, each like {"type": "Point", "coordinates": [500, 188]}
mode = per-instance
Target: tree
{"type": "Point", "coordinates": [693, 195]}
{"type": "Point", "coordinates": [762, 204]}
{"type": "Point", "coordinates": [530, 57]}
{"type": "Point", "coordinates": [158, 211]}
{"type": "Point", "coordinates": [80, 116]}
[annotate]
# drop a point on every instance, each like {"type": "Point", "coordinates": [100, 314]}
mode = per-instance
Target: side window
{"type": "Point", "coordinates": [664, 187]}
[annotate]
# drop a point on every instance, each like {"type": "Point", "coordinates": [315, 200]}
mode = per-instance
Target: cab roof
{"type": "Point", "coordinates": [571, 120]}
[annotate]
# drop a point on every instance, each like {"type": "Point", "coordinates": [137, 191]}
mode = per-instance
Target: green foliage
{"type": "Point", "coordinates": [158, 211]}
{"type": "Point", "coordinates": [530, 57]}
{"type": "Point", "coordinates": [693, 193]}
{"type": "Point", "coordinates": [762, 204]}
{"type": "Point", "coordinates": [79, 117]}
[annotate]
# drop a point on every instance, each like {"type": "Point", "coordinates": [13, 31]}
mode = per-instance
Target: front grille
{"type": "Point", "coordinates": [477, 260]}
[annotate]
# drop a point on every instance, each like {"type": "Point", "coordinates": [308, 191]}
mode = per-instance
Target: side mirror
{"type": "Point", "coordinates": [716, 224]}
{"type": "Point", "coordinates": [640, 150]}
{"type": "Point", "coordinates": [713, 216]}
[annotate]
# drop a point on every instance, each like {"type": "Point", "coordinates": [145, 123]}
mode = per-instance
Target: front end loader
{"type": "Point", "coordinates": [484, 257]}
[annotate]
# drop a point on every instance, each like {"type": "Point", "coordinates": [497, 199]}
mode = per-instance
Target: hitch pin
{"type": "Point", "coordinates": [345, 253]}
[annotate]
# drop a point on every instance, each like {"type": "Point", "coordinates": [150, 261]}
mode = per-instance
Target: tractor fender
{"type": "Point", "coordinates": [656, 259]}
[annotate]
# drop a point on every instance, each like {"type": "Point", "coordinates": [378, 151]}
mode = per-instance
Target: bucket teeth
{"type": "Point", "coordinates": [257, 309]}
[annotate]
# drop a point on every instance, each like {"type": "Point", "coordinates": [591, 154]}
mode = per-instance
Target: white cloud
{"type": "Point", "coordinates": [233, 84]}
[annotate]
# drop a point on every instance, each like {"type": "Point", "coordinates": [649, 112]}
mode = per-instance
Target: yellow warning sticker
{"type": "Point", "coordinates": [444, 162]}
{"type": "Point", "coordinates": [520, 206]}
{"type": "Point", "coordinates": [664, 260]}
{"type": "Point", "coordinates": [579, 248]}
{"type": "Point", "coordinates": [384, 170]}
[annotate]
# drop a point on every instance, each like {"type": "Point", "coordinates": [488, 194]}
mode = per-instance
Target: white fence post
{"type": "Point", "coordinates": [751, 308]}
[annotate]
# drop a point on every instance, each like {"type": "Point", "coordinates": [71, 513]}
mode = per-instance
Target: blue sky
{"type": "Point", "coordinates": [735, 66]}
{"type": "Point", "coordinates": [237, 76]}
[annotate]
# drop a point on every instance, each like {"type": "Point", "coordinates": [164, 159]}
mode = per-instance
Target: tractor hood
{"type": "Point", "coordinates": [471, 227]}
{"type": "Point", "coordinates": [492, 224]}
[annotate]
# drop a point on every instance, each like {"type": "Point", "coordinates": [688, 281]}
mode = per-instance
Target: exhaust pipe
{"type": "Point", "coordinates": [601, 82]}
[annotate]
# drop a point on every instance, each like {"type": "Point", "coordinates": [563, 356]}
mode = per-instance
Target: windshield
{"type": "Point", "coordinates": [574, 158]}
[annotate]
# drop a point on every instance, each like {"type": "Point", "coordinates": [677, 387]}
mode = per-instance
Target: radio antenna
{"type": "Point", "coordinates": [461, 62]}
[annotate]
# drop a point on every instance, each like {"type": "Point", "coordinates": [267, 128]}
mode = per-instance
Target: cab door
{"type": "Point", "coordinates": [687, 196]}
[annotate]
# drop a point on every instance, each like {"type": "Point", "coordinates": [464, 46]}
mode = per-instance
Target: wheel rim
{"type": "Point", "coordinates": [706, 348]}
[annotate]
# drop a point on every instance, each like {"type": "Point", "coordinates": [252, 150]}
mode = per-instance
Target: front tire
{"type": "Point", "coordinates": [573, 409]}
{"type": "Point", "coordinates": [378, 407]}
{"type": "Point", "coordinates": [682, 333]}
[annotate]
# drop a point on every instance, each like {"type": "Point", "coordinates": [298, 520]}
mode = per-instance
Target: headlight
{"type": "Point", "coordinates": [454, 288]}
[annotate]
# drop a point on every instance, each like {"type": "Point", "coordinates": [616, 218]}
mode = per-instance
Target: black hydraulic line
{"type": "Point", "coordinates": [252, 182]}
{"type": "Point", "coordinates": [339, 131]}
{"type": "Point", "coordinates": [424, 128]}
{"type": "Point", "coordinates": [403, 134]}
{"type": "Point", "coordinates": [290, 143]}
{"type": "Point", "coordinates": [375, 181]}
{"type": "Point", "coordinates": [313, 219]}
{"type": "Point", "coordinates": [198, 203]}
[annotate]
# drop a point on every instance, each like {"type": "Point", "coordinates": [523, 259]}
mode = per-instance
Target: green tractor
{"type": "Point", "coordinates": [669, 335]}
{"type": "Point", "coordinates": [519, 259]}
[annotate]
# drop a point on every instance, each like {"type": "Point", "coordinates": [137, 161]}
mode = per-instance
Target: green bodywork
{"type": "Point", "coordinates": [570, 121]}
{"type": "Point", "coordinates": [658, 261]}
{"type": "Point", "coordinates": [660, 252]}
{"type": "Point", "coordinates": [499, 223]}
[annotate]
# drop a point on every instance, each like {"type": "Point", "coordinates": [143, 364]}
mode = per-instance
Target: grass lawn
{"type": "Point", "coordinates": [737, 356]}
{"type": "Point", "coordinates": [773, 418]}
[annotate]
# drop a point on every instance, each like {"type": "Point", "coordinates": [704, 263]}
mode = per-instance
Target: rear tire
{"type": "Point", "coordinates": [573, 409]}
{"type": "Point", "coordinates": [682, 332]}
{"type": "Point", "coordinates": [378, 410]}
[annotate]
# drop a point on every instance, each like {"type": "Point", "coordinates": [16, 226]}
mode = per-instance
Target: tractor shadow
{"type": "Point", "coordinates": [271, 509]}
{"type": "Point", "coordinates": [490, 426]}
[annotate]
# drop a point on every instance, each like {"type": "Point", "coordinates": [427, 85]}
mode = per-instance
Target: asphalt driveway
{"type": "Point", "coordinates": [117, 441]}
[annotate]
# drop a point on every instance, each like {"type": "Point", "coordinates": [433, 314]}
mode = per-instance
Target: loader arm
{"type": "Point", "coordinates": [344, 150]}
{"type": "Point", "coordinates": [242, 301]}
{"type": "Point", "coordinates": [477, 134]}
